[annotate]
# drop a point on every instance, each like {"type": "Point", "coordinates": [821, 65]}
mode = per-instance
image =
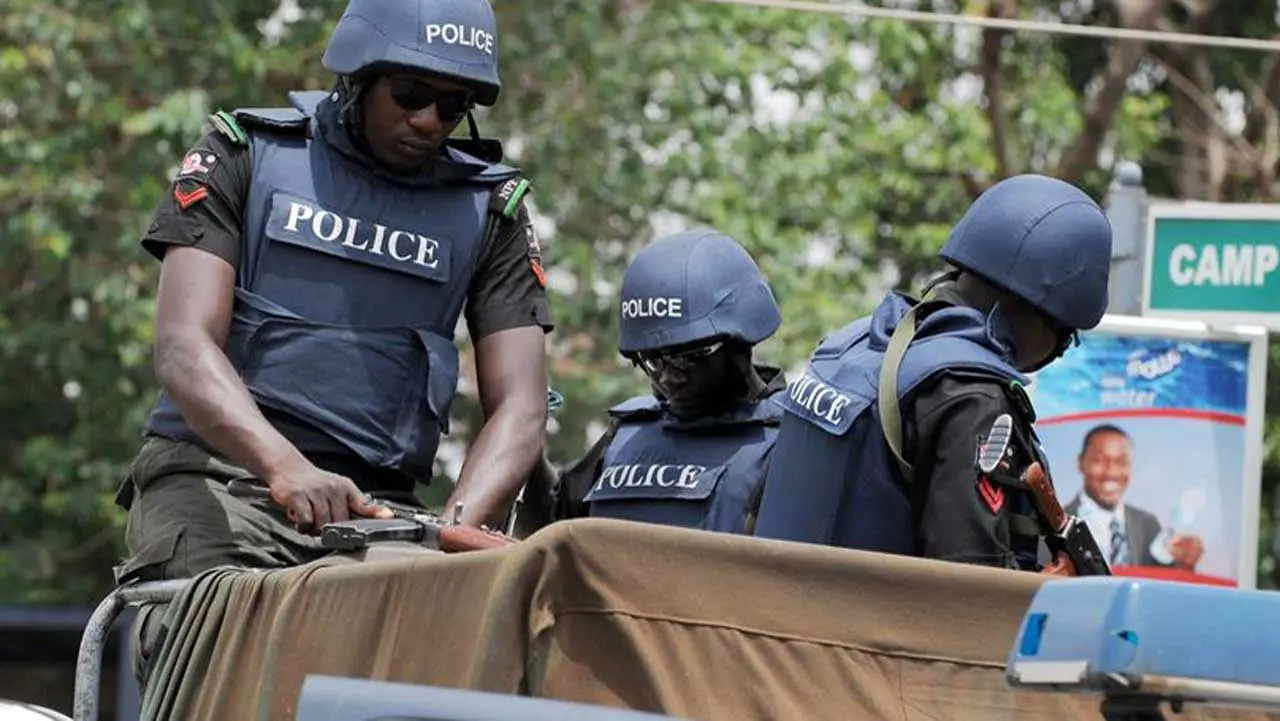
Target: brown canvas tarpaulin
{"type": "Point", "coordinates": [696, 625]}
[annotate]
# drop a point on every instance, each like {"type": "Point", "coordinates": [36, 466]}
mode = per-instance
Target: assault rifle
{"type": "Point", "coordinates": [415, 525]}
{"type": "Point", "coordinates": [1075, 551]}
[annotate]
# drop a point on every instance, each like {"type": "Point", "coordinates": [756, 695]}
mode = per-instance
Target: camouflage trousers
{"type": "Point", "coordinates": [182, 521]}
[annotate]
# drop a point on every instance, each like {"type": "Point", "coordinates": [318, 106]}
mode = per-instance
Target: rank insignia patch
{"type": "Point", "coordinates": [188, 198]}
{"type": "Point", "coordinates": [991, 495]}
{"type": "Point", "coordinates": [992, 449]}
{"type": "Point", "coordinates": [535, 255]}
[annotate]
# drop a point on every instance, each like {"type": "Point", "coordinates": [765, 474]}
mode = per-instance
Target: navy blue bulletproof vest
{"type": "Point", "coordinates": [869, 508]}
{"type": "Point", "coordinates": [348, 292]}
{"type": "Point", "coordinates": [699, 474]}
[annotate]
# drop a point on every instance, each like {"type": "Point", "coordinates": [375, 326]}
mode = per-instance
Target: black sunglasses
{"type": "Point", "coordinates": [413, 94]}
{"type": "Point", "coordinates": [653, 363]}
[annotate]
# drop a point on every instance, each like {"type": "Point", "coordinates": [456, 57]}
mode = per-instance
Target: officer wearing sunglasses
{"type": "Point", "coordinates": [316, 260]}
{"type": "Point", "coordinates": [692, 454]}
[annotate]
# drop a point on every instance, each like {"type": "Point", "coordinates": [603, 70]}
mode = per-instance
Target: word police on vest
{"type": "Point", "coordinates": [1226, 265]}
{"type": "Point", "coordinates": [653, 308]}
{"type": "Point", "coordinates": [306, 225]}
{"type": "Point", "coordinates": [639, 475]}
{"type": "Point", "coordinates": [819, 399]}
{"type": "Point", "coordinates": [463, 35]}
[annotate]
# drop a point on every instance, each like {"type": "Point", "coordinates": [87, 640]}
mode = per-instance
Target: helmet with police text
{"type": "Point", "coordinates": [457, 39]}
{"type": "Point", "coordinates": [694, 286]}
{"type": "Point", "coordinates": [1043, 240]}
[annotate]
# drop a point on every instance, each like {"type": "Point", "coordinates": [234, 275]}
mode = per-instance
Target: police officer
{"type": "Point", "coordinates": [882, 434]}
{"type": "Point", "coordinates": [316, 260]}
{"type": "Point", "coordinates": [693, 453]}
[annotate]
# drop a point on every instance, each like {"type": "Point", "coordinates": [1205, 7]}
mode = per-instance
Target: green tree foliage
{"type": "Point", "coordinates": [839, 151]}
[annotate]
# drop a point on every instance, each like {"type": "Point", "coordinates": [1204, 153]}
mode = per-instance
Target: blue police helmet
{"type": "Point", "coordinates": [453, 38]}
{"type": "Point", "coordinates": [1043, 240]}
{"type": "Point", "coordinates": [694, 286]}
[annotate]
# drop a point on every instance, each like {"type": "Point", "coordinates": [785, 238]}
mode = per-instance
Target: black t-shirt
{"type": "Point", "coordinates": [204, 208]}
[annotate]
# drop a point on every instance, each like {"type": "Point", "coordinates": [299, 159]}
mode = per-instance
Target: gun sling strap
{"type": "Point", "coordinates": [891, 412]}
{"type": "Point", "coordinates": [887, 401]}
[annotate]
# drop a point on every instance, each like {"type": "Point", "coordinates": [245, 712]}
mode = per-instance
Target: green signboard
{"type": "Point", "coordinates": [1214, 262]}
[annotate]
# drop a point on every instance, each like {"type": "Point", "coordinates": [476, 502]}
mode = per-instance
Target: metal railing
{"type": "Point", "coordinates": [94, 639]}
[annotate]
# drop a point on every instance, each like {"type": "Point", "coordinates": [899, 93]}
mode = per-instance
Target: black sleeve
{"type": "Point", "coordinates": [509, 289]}
{"type": "Point", "coordinates": [757, 496]}
{"type": "Point", "coordinates": [964, 516]}
{"type": "Point", "coordinates": [204, 204]}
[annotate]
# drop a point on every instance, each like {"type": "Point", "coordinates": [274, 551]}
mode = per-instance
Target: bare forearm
{"type": "Point", "coordinates": [503, 455]}
{"type": "Point", "coordinates": [219, 408]}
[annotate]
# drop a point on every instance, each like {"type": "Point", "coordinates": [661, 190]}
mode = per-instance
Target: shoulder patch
{"type": "Point", "coordinates": [533, 249]}
{"type": "Point", "coordinates": [506, 198]}
{"type": "Point", "coordinates": [186, 197]}
{"type": "Point", "coordinates": [197, 164]}
{"type": "Point", "coordinates": [821, 404]}
{"type": "Point", "coordinates": [994, 448]}
{"type": "Point", "coordinates": [225, 123]}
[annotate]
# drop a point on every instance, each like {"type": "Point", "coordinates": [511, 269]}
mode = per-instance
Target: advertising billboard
{"type": "Point", "coordinates": [1153, 432]}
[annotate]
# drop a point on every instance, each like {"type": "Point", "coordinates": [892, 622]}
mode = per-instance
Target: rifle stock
{"type": "Point", "coordinates": [1045, 498]}
{"type": "Point", "coordinates": [452, 537]}
{"type": "Point", "coordinates": [458, 538]}
{"type": "Point", "coordinates": [1075, 551]}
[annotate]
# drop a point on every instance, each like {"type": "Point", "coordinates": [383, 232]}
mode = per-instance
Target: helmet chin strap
{"type": "Point", "coordinates": [471, 126]}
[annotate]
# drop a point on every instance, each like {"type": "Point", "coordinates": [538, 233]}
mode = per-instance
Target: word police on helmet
{"type": "Point", "coordinates": [454, 39]}
{"type": "Point", "coordinates": [653, 308]}
{"type": "Point", "coordinates": [470, 37]}
{"type": "Point", "coordinates": [693, 287]}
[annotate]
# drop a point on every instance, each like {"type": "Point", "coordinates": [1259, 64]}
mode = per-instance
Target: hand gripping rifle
{"type": "Point", "coordinates": [414, 525]}
{"type": "Point", "coordinates": [1075, 551]}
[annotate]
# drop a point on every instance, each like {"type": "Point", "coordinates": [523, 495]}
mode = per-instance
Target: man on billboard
{"type": "Point", "coordinates": [1129, 535]}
